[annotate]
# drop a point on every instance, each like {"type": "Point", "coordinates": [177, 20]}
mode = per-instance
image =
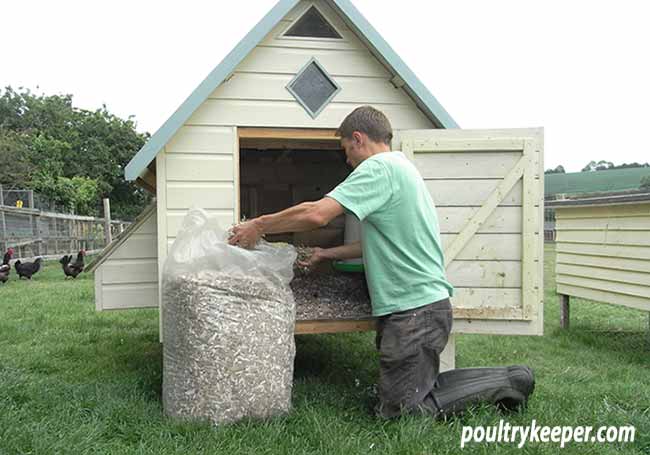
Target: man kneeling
{"type": "Point", "coordinates": [404, 266]}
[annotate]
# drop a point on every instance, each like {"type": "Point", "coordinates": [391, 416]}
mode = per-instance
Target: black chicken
{"type": "Point", "coordinates": [5, 268]}
{"type": "Point", "coordinates": [75, 268]}
{"type": "Point", "coordinates": [27, 269]}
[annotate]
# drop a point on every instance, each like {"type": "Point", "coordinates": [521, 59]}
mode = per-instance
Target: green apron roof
{"type": "Point", "coordinates": [594, 181]}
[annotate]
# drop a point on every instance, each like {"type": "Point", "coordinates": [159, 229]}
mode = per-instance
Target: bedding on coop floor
{"type": "Point", "coordinates": [330, 296]}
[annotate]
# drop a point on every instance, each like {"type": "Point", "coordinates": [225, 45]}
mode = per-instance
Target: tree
{"type": "Point", "coordinates": [14, 164]}
{"type": "Point", "coordinates": [557, 170]}
{"type": "Point", "coordinates": [630, 165]}
{"type": "Point", "coordinates": [598, 166]}
{"type": "Point", "coordinates": [608, 165]}
{"type": "Point", "coordinates": [67, 153]}
{"type": "Point", "coordinates": [645, 183]}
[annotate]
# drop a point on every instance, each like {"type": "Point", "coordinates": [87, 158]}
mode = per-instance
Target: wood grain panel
{"type": "Point", "coordinates": [126, 296]}
{"type": "Point", "coordinates": [502, 220]}
{"type": "Point", "coordinates": [117, 271]}
{"type": "Point", "coordinates": [467, 192]}
{"type": "Point", "coordinates": [203, 195]}
{"type": "Point", "coordinates": [286, 114]}
{"type": "Point", "coordinates": [272, 87]}
{"type": "Point", "coordinates": [201, 139]}
{"type": "Point", "coordinates": [603, 296]}
{"type": "Point", "coordinates": [200, 167]}
{"type": "Point", "coordinates": [619, 251]}
{"type": "Point", "coordinates": [635, 265]}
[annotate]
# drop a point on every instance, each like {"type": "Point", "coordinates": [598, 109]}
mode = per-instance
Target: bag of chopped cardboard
{"type": "Point", "coordinates": [228, 323]}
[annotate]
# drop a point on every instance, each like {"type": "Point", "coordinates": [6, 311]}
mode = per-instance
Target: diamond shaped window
{"type": "Point", "coordinates": [312, 24]}
{"type": "Point", "coordinates": [313, 88]}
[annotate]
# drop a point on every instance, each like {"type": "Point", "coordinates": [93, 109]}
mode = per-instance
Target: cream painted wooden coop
{"type": "Point", "coordinates": [603, 251]}
{"type": "Point", "coordinates": [258, 135]}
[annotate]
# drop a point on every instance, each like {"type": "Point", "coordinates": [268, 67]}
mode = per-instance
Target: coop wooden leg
{"type": "Point", "coordinates": [448, 356]}
{"type": "Point", "coordinates": [564, 311]}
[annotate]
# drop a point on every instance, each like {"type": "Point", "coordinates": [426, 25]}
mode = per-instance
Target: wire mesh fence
{"type": "Point", "coordinates": [31, 226]}
{"type": "Point", "coordinates": [21, 198]}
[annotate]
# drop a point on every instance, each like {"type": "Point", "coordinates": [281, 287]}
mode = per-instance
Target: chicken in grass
{"type": "Point", "coordinates": [72, 269]}
{"type": "Point", "coordinates": [27, 269]}
{"type": "Point", "coordinates": [65, 264]}
{"type": "Point", "coordinates": [5, 268]}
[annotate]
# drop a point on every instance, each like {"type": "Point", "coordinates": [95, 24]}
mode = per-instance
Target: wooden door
{"type": "Point", "coordinates": [488, 189]}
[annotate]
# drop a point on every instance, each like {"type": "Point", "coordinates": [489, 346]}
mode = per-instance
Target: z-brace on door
{"type": "Point", "coordinates": [488, 189]}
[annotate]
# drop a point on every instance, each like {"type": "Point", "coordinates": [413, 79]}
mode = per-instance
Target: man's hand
{"type": "Point", "coordinates": [317, 256]}
{"type": "Point", "coordinates": [306, 216]}
{"type": "Point", "coordinates": [246, 234]}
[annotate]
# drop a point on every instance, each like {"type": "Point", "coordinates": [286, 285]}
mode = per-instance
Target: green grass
{"type": "Point", "coordinates": [76, 381]}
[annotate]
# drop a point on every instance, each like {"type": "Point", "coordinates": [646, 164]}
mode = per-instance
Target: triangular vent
{"type": "Point", "coordinates": [312, 24]}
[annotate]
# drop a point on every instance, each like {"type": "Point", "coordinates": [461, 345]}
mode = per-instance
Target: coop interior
{"type": "Point", "coordinates": [275, 176]}
{"type": "Point", "coordinates": [278, 173]}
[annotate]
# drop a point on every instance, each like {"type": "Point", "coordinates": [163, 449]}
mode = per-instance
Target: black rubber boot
{"type": "Point", "coordinates": [456, 390]}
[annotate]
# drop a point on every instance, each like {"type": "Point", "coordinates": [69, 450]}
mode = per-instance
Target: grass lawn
{"type": "Point", "coordinates": [76, 381]}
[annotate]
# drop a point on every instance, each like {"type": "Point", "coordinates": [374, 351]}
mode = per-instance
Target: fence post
{"type": "Point", "coordinates": [56, 235]}
{"type": "Point", "coordinates": [107, 221]}
{"type": "Point", "coordinates": [70, 235]}
{"type": "Point", "coordinates": [36, 246]}
{"type": "Point", "coordinates": [3, 221]}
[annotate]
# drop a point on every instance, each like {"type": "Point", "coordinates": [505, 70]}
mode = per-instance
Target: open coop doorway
{"type": "Point", "coordinates": [279, 168]}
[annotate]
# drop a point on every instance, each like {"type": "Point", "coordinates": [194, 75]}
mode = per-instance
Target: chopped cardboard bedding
{"type": "Point", "coordinates": [228, 319]}
{"type": "Point", "coordinates": [229, 347]}
{"type": "Point", "coordinates": [331, 296]}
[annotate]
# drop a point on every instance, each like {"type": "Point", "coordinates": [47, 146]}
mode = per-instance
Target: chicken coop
{"type": "Point", "coordinates": [258, 135]}
{"type": "Point", "coordinates": [603, 251]}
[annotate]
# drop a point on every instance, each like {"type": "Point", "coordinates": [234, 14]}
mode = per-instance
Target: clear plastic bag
{"type": "Point", "coordinates": [228, 324]}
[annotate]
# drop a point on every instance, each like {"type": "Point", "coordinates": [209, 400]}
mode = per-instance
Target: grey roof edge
{"type": "Point", "coordinates": [431, 104]}
{"type": "Point", "coordinates": [109, 249]}
{"type": "Point", "coordinates": [149, 151]}
{"type": "Point", "coordinates": [158, 140]}
{"type": "Point", "coordinates": [596, 201]}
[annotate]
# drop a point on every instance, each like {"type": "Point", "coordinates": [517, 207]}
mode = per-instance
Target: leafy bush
{"type": "Point", "coordinates": [67, 153]}
{"type": "Point", "coordinates": [645, 183]}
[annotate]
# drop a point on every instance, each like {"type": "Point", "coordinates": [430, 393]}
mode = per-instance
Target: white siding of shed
{"type": "Point", "coordinates": [603, 253]}
{"type": "Point", "coordinates": [129, 276]}
{"type": "Point", "coordinates": [199, 166]}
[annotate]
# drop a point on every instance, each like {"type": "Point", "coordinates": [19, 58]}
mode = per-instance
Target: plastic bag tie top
{"type": "Point", "coordinates": [228, 325]}
{"type": "Point", "coordinates": [202, 244]}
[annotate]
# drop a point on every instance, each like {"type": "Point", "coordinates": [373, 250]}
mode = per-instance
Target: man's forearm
{"type": "Point", "coordinates": [350, 251]}
{"type": "Point", "coordinates": [299, 218]}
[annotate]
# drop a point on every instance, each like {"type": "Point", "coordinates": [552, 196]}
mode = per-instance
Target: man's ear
{"type": "Point", "coordinates": [358, 137]}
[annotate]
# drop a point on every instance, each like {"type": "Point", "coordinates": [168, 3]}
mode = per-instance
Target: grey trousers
{"type": "Point", "coordinates": [410, 343]}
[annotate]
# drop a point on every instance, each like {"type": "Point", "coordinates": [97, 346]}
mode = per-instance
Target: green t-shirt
{"type": "Point", "coordinates": [400, 236]}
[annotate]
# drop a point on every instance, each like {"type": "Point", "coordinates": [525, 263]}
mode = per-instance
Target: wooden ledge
{"type": "Point", "coordinates": [305, 134]}
{"type": "Point", "coordinates": [334, 326]}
